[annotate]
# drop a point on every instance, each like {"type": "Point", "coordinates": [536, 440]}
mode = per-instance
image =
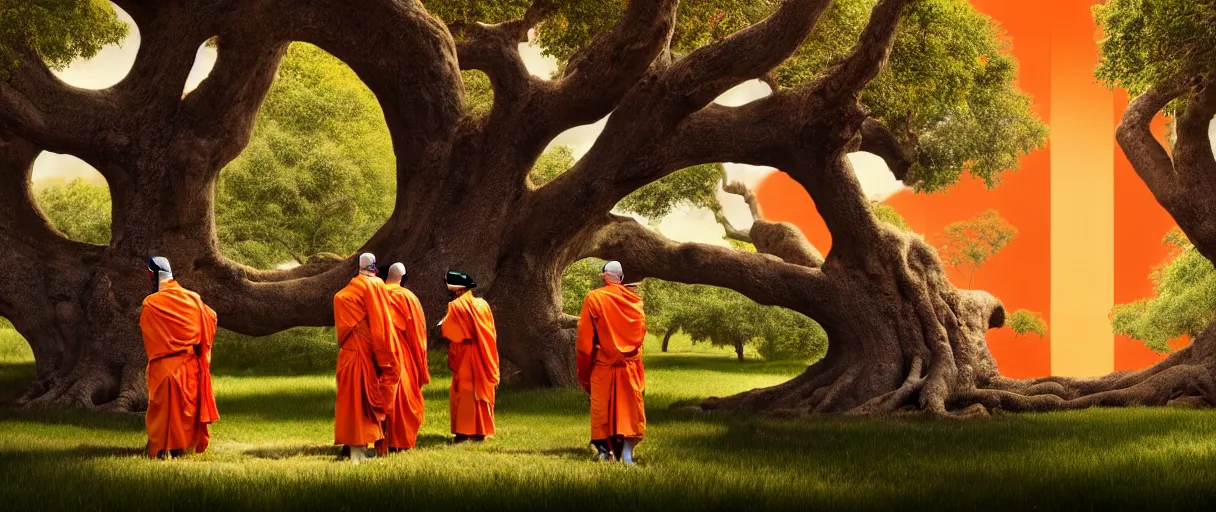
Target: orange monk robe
{"type": "Point", "coordinates": [178, 330]}
{"type": "Point", "coordinates": [368, 373]}
{"type": "Point", "coordinates": [611, 329]}
{"type": "Point", "coordinates": [473, 358]}
{"type": "Point", "coordinates": [401, 428]}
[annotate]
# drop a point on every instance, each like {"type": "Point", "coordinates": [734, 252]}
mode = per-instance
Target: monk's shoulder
{"type": "Point", "coordinates": [594, 297]}
{"type": "Point", "coordinates": [192, 294]}
{"type": "Point", "coordinates": [482, 305]}
{"type": "Point", "coordinates": [353, 288]}
{"type": "Point", "coordinates": [162, 297]}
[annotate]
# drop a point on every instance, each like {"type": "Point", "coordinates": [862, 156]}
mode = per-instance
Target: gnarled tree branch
{"type": "Point", "coordinates": [599, 75]}
{"type": "Point", "coordinates": [494, 50]}
{"type": "Point", "coordinates": [880, 141]}
{"type": "Point", "coordinates": [674, 106]}
{"type": "Point", "coordinates": [763, 278]}
{"type": "Point", "coordinates": [1150, 160]}
{"type": "Point", "coordinates": [37, 106]}
{"type": "Point", "coordinates": [871, 52]}
{"type": "Point", "coordinates": [780, 239]}
{"type": "Point", "coordinates": [1185, 183]}
{"type": "Point", "coordinates": [751, 53]}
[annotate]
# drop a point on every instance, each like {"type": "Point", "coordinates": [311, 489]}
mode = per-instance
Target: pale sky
{"type": "Point", "coordinates": [685, 224]}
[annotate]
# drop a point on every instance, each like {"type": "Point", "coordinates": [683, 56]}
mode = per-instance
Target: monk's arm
{"type": "Point", "coordinates": [383, 333]}
{"type": "Point", "coordinates": [203, 348]}
{"type": "Point", "coordinates": [584, 344]}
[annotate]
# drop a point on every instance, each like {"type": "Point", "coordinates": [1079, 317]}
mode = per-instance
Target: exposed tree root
{"type": "Point", "coordinates": [918, 347]}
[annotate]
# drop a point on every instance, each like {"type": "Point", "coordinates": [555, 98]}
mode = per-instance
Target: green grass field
{"type": "Point", "coordinates": [272, 449]}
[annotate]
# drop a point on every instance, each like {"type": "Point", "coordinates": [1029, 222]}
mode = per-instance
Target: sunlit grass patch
{"type": "Point", "coordinates": [273, 449]}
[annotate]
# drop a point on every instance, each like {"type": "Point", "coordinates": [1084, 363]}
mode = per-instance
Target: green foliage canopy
{"type": "Point", "coordinates": [80, 210]}
{"type": "Point", "coordinates": [319, 172]}
{"type": "Point", "coordinates": [1184, 301]}
{"type": "Point", "coordinates": [59, 31]}
{"type": "Point", "coordinates": [1155, 42]}
{"type": "Point", "coordinates": [726, 318]}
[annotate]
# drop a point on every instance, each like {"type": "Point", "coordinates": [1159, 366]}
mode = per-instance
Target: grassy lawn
{"type": "Point", "coordinates": [271, 449]}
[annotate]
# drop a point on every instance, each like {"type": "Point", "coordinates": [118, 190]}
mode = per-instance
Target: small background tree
{"type": "Point", "coordinates": [726, 318]}
{"type": "Point", "coordinates": [966, 245]}
{"type": "Point", "coordinates": [1024, 321]}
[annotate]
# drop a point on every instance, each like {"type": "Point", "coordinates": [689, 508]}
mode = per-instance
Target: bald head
{"type": "Point", "coordinates": [396, 273]}
{"type": "Point", "coordinates": [613, 273]}
{"type": "Point", "coordinates": [367, 263]}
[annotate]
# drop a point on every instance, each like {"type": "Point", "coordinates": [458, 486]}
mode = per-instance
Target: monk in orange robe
{"type": "Point", "coordinates": [368, 372]}
{"type": "Point", "coordinates": [611, 329]}
{"type": "Point", "coordinates": [178, 330]}
{"type": "Point", "coordinates": [401, 429]}
{"type": "Point", "coordinates": [473, 358]}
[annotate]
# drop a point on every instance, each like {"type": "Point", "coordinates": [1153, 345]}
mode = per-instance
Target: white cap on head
{"type": "Point", "coordinates": [367, 261]}
{"type": "Point", "coordinates": [396, 273]}
{"type": "Point", "coordinates": [160, 265]}
{"type": "Point", "coordinates": [613, 273]}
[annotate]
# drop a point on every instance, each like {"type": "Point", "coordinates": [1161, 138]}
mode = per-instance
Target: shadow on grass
{"type": "Point", "coordinates": [572, 454]}
{"type": "Point", "coordinates": [286, 452]}
{"type": "Point", "coordinates": [331, 450]}
{"type": "Point", "coordinates": [304, 404]}
{"type": "Point", "coordinates": [86, 452]}
{"type": "Point", "coordinates": [716, 363]}
{"type": "Point", "coordinates": [104, 452]}
{"type": "Point", "coordinates": [112, 421]}
{"type": "Point", "coordinates": [15, 378]}
{"type": "Point", "coordinates": [1089, 451]}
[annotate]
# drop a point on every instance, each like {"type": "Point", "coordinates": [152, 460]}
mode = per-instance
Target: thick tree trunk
{"type": "Point", "coordinates": [900, 337]}
{"type": "Point", "coordinates": [667, 338]}
{"type": "Point", "coordinates": [61, 296]}
{"type": "Point", "coordinates": [739, 351]}
{"type": "Point", "coordinates": [86, 342]}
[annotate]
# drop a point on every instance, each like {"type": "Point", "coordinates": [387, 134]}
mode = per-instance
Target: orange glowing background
{"type": "Point", "coordinates": [1048, 36]}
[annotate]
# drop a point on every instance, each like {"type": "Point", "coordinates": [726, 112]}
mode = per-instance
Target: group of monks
{"type": "Point", "coordinates": [382, 363]}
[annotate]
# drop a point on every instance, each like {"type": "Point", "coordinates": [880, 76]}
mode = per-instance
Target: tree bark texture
{"type": "Point", "coordinates": [901, 337]}
{"type": "Point", "coordinates": [1184, 181]}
